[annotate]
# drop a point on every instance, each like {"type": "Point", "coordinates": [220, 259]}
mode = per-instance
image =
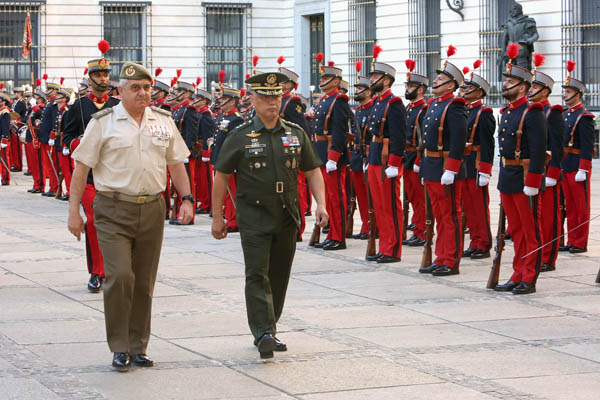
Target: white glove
{"type": "Point", "coordinates": [416, 168]}
{"type": "Point", "coordinates": [447, 178]}
{"type": "Point", "coordinates": [365, 167]}
{"type": "Point", "coordinates": [50, 142]}
{"type": "Point", "coordinates": [391, 172]}
{"type": "Point", "coordinates": [550, 182]}
{"type": "Point", "coordinates": [66, 152]}
{"type": "Point", "coordinates": [4, 145]}
{"type": "Point", "coordinates": [187, 160]}
{"type": "Point", "coordinates": [484, 179]}
{"type": "Point", "coordinates": [529, 191]}
{"type": "Point", "coordinates": [205, 159]}
{"type": "Point", "coordinates": [330, 166]}
{"type": "Point", "coordinates": [581, 175]}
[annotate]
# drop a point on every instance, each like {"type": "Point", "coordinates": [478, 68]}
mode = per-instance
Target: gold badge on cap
{"type": "Point", "coordinates": [271, 80]}
{"type": "Point", "coordinates": [130, 71]}
{"type": "Point", "coordinates": [103, 63]}
{"type": "Point", "coordinates": [508, 68]}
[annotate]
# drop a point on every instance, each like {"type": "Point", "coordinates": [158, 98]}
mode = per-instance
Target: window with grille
{"type": "Point", "coordinates": [126, 27]}
{"type": "Point", "coordinates": [14, 69]}
{"type": "Point", "coordinates": [580, 42]}
{"type": "Point", "coordinates": [227, 46]}
{"type": "Point", "coordinates": [493, 15]}
{"type": "Point", "coordinates": [361, 36]}
{"type": "Point", "coordinates": [317, 45]}
{"type": "Point", "coordinates": [424, 37]}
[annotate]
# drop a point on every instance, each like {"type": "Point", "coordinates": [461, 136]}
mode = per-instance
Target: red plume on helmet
{"type": "Point", "coordinates": [178, 71]}
{"type": "Point", "coordinates": [221, 76]}
{"type": "Point", "coordinates": [570, 66]}
{"type": "Point", "coordinates": [255, 60]}
{"type": "Point", "coordinates": [331, 63]}
{"type": "Point", "coordinates": [477, 64]}
{"type": "Point", "coordinates": [466, 70]}
{"type": "Point", "coordinates": [45, 77]}
{"type": "Point", "coordinates": [247, 76]}
{"type": "Point", "coordinates": [410, 64]}
{"type": "Point", "coordinates": [38, 82]}
{"type": "Point", "coordinates": [451, 51]}
{"type": "Point", "coordinates": [539, 59]}
{"type": "Point", "coordinates": [376, 51]}
{"type": "Point", "coordinates": [103, 46]}
{"type": "Point", "coordinates": [157, 72]}
{"type": "Point", "coordinates": [198, 80]}
{"type": "Point", "coordinates": [280, 60]}
{"type": "Point", "coordinates": [62, 80]}
{"type": "Point", "coordinates": [320, 57]}
{"type": "Point", "coordinates": [512, 51]}
{"type": "Point", "coordinates": [242, 92]}
{"type": "Point", "coordinates": [358, 66]}
{"type": "Point", "coordinates": [1, 85]}
{"type": "Point", "coordinates": [85, 71]}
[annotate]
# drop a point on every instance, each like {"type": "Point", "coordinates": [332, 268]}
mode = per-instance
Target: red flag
{"type": "Point", "coordinates": [27, 37]}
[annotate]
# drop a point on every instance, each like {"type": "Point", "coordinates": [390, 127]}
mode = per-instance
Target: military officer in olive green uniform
{"type": "Point", "coordinates": [266, 153]}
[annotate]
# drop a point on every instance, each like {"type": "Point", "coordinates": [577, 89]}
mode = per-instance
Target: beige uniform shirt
{"type": "Point", "coordinates": [129, 158]}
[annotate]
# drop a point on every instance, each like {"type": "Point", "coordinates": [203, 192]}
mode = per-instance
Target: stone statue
{"type": "Point", "coordinates": [522, 30]}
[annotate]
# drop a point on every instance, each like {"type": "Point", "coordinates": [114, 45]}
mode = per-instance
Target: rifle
{"type": "Point", "coordinates": [495, 272]}
{"type": "Point", "coordinates": [598, 277]}
{"type": "Point", "coordinates": [563, 216]}
{"type": "Point", "coordinates": [351, 210]}
{"type": "Point", "coordinates": [371, 248]}
{"type": "Point", "coordinates": [426, 259]}
{"type": "Point", "coordinates": [404, 212]}
{"type": "Point", "coordinates": [315, 236]}
{"type": "Point", "coordinates": [463, 224]}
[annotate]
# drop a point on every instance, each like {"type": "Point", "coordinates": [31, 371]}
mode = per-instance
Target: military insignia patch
{"type": "Point", "coordinates": [253, 134]}
{"type": "Point", "coordinates": [271, 79]}
{"type": "Point", "coordinates": [288, 164]}
{"type": "Point", "coordinates": [299, 109]}
{"type": "Point", "coordinates": [508, 68]}
{"type": "Point", "coordinates": [130, 71]}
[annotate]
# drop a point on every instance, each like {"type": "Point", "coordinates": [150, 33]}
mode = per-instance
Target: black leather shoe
{"type": "Point", "coordinates": [479, 254]}
{"type": "Point", "coordinates": [524, 288]}
{"type": "Point", "coordinates": [507, 236]}
{"type": "Point", "coordinates": [66, 197]}
{"type": "Point", "coordinates": [279, 345]}
{"type": "Point", "coordinates": [307, 214]}
{"type": "Point", "coordinates": [566, 247]}
{"type": "Point", "coordinates": [418, 242]}
{"type": "Point", "coordinates": [121, 362]}
{"type": "Point", "coordinates": [266, 344]}
{"type": "Point", "coordinates": [361, 236]}
{"type": "Point", "coordinates": [507, 287]}
{"type": "Point", "coordinates": [4, 183]}
{"type": "Point", "coordinates": [410, 227]}
{"type": "Point", "coordinates": [14, 169]}
{"type": "Point", "coordinates": [202, 211]}
{"type": "Point", "coordinates": [468, 252]}
{"type": "Point", "coordinates": [335, 245]}
{"type": "Point", "coordinates": [374, 257]}
{"type": "Point", "coordinates": [142, 360]}
{"type": "Point", "coordinates": [445, 270]}
{"type": "Point", "coordinates": [325, 230]}
{"type": "Point", "coordinates": [428, 269]}
{"type": "Point", "coordinates": [320, 245]}
{"type": "Point", "coordinates": [27, 173]}
{"type": "Point", "coordinates": [298, 239]}
{"type": "Point", "coordinates": [49, 193]}
{"type": "Point", "coordinates": [576, 250]}
{"type": "Point", "coordinates": [407, 241]}
{"type": "Point", "coordinates": [547, 267]}
{"type": "Point", "coordinates": [94, 284]}
{"type": "Point", "coordinates": [387, 259]}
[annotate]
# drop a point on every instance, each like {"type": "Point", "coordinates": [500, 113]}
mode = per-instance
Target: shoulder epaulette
{"type": "Point", "coordinates": [193, 108]}
{"type": "Point", "coordinates": [538, 106]}
{"type": "Point", "coordinates": [102, 113]}
{"type": "Point", "coordinates": [161, 111]}
{"type": "Point", "coordinates": [588, 114]}
{"type": "Point", "coordinates": [296, 98]}
{"type": "Point", "coordinates": [431, 100]}
{"type": "Point", "coordinates": [238, 114]}
{"type": "Point", "coordinates": [342, 96]}
{"type": "Point", "coordinates": [207, 112]}
{"type": "Point", "coordinates": [395, 100]}
{"type": "Point", "coordinates": [502, 110]}
{"type": "Point", "coordinates": [458, 100]}
{"type": "Point", "coordinates": [290, 123]}
{"type": "Point", "coordinates": [244, 125]}
{"type": "Point", "coordinates": [487, 109]}
{"type": "Point", "coordinates": [558, 107]}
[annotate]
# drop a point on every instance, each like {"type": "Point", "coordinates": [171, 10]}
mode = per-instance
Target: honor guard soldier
{"type": "Point", "coordinates": [47, 138]}
{"type": "Point", "coordinates": [522, 143]}
{"type": "Point", "coordinates": [344, 87]}
{"type": "Point", "coordinates": [208, 127]}
{"type": "Point", "coordinates": [62, 152]}
{"type": "Point", "coordinates": [479, 159]}
{"type": "Point", "coordinates": [577, 165]}
{"type": "Point", "coordinates": [185, 116]}
{"type": "Point", "coordinates": [330, 128]}
{"type": "Point", "coordinates": [33, 122]}
{"type": "Point", "coordinates": [364, 97]}
{"type": "Point", "coordinates": [550, 217]}
{"type": "Point", "coordinates": [16, 148]}
{"type": "Point", "coordinates": [129, 148]}
{"type": "Point", "coordinates": [5, 137]}
{"type": "Point", "coordinates": [230, 119]}
{"type": "Point", "coordinates": [444, 134]}
{"type": "Point", "coordinates": [266, 153]}
{"type": "Point", "coordinates": [81, 113]}
{"type": "Point", "coordinates": [387, 130]}
{"type": "Point", "coordinates": [416, 86]}
{"type": "Point", "coordinates": [160, 90]}
{"type": "Point", "coordinates": [84, 87]}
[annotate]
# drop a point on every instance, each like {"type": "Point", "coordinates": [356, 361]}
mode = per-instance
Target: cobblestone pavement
{"type": "Point", "coordinates": [355, 330]}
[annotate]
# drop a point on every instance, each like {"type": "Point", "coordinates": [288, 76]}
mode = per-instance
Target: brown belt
{"type": "Point", "coordinates": [521, 162]}
{"type": "Point", "coordinates": [380, 139]}
{"type": "Point", "coordinates": [571, 150]}
{"type": "Point", "coordinates": [410, 148]}
{"type": "Point", "coordinates": [436, 154]}
{"type": "Point", "coordinates": [357, 147]}
{"type": "Point", "coordinates": [131, 199]}
{"type": "Point", "coordinates": [471, 148]}
{"type": "Point", "coordinates": [323, 138]}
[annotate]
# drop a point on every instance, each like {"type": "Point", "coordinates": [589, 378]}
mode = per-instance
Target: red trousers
{"type": "Point", "coordinates": [95, 262]}
{"type": "Point", "coordinates": [34, 165]}
{"type": "Point", "coordinates": [416, 197]}
{"type": "Point", "coordinates": [524, 221]}
{"type": "Point", "coordinates": [16, 152]}
{"type": "Point", "coordinates": [362, 198]}
{"type": "Point", "coordinates": [550, 222]}
{"type": "Point", "coordinates": [335, 202]}
{"type": "Point", "coordinates": [303, 204]}
{"type": "Point", "coordinates": [446, 207]}
{"type": "Point", "coordinates": [577, 204]}
{"type": "Point", "coordinates": [5, 154]}
{"type": "Point", "coordinates": [190, 168]}
{"type": "Point", "coordinates": [167, 195]}
{"type": "Point", "coordinates": [229, 206]}
{"type": "Point", "coordinates": [50, 166]}
{"type": "Point", "coordinates": [476, 205]}
{"type": "Point", "coordinates": [385, 194]}
{"type": "Point", "coordinates": [66, 166]}
{"type": "Point", "coordinates": [204, 181]}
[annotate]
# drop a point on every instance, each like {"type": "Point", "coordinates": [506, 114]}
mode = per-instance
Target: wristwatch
{"type": "Point", "coordinates": [188, 197]}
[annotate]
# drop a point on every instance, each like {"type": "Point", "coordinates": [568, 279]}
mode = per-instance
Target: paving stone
{"type": "Point", "coordinates": [67, 331]}
{"type": "Point", "coordinates": [21, 388]}
{"type": "Point", "coordinates": [587, 304]}
{"type": "Point", "coordinates": [559, 387]}
{"type": "Point", "coordinates": [588, 351]}
{"type": "Point", "coordinates": [200, 325]}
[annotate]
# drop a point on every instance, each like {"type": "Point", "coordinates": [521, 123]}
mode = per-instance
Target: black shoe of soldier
{"type": "Point", "coordinates": [121, 362]}
{"type": "Point", "coordinates": [564, 248]}
{"type": "Point", "coordinates": [142, 360]}
{"type": "Point", "coordinates": [94, 284]}
{"type": "Point", "coordinates": [4, 183]}
{"type": "Point", "coordinates": [387, 259]}
{"type": "Point", "coordinates": [266, 344]}
{"type": "Point", "coordinates": [14, 169]}
{"type": "Point", "coordinates": [319, 245]}
{"type": "Point", "coordinates": [524, 288]}
{"type": "Point", "coordinates": [478, 254]}
{"type": "Point", "coordinates": [27, 173]}
{"type": "Point", "coordinates": [361, 236]}
{"type": "Point", "coordinates": [576, 250]}
{"type": "Point", "coordinates": [279, 345]}
{"type": "Point", "coordinates": [411, 227]}
{"type": "Point", "coordinates": [507, 287]}
{"type": "Point", "coordinates": [428, 269]}
{"type": "Point", "coordinates": [407, 241]}
{"type": "Point", "coordinates": [547, 267]}
{"type": "Point", "coordinates": [307, 214]}
{"type": "Point", "coordinates": [468, 252]}
{"type": "Point", "coordinates": [202, 211]}
{"type": "Point", "coordinates": [445, 270]}
{"type": "Point", "coordinates": [334, 245]}
{"type": "Point", "coordinates": [418, 242]}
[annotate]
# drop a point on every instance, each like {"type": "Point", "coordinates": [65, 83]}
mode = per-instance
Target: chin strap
{"type": "Point", "coordinates": [376, 82]}
{"type": "Point", "coordinates": [571, 98]}
{"type": "Point", "coordinates": [512, 87]}
{"type": "Point", "coordinates": [103, 87]}
{"type": "Point", "coordinates": [322, 85]}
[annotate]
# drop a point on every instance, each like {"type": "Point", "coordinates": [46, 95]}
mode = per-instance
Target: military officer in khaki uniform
{"type": "Point", "coordinates": [128, 148]}
{"type": "Point", "coordinates": [267, 152]}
